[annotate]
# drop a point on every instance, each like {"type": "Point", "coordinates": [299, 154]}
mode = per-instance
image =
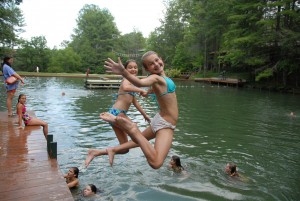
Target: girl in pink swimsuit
{"type": "Point", "coordinates": [28, 120]}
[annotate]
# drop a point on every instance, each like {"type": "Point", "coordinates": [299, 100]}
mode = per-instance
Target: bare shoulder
{"type": "Point", "coordinates": [19, 107]}
{"type": "Point", "coordinates": [155, 78]}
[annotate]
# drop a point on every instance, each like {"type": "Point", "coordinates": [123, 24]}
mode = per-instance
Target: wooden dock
{"type": "Point", "coordinates": [222, 81]}
{"type": "Point", "coordinates": [102, 84]}
{"type": "Point", "coordinates": [107, 82]}
{"type": "Point", "coordinates": [27, 172]}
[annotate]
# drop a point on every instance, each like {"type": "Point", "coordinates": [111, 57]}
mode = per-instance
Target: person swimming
{"type": "Point", "coordinates": [90, 190]}
{"type": "Point", "coordinates": [231, 169]}
{"type": "Point", "coordinates": [175, 164]}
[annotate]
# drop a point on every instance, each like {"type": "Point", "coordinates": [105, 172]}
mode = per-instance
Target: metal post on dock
{"type": "Point", "coordinates": [49, 140]}
{"type": "Point", "coordinates": [53, 150]}
{"type": "Point", "coordinates": [51, 147]}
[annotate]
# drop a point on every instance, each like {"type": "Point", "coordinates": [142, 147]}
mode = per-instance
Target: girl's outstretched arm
{"type": "Point", "coordinates": [119, 69]}
{"type": "Point", "coordinates": [128, 87]}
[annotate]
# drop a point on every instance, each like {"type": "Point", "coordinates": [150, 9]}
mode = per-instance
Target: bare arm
{"type": "Point", "coordinates": [73, 183]}
{"type": "Point", "coordinates": [18, 77]}
{"type": "Point", "coordinates": [119, 69]}
{"type": "Point", "coordinates": [141, 110]}
{"type": "Point", "coordinates": [127, 86]}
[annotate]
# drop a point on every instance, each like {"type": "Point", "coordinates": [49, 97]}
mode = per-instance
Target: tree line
{"type": "Point", "coordinates": [260, 38]}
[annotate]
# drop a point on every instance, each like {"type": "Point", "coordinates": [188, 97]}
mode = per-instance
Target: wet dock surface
{"type": "Point", "coordinates": [26, 171]}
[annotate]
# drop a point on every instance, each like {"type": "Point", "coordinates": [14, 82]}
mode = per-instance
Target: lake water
{"type": "Point", "coordinates": [216, 125]}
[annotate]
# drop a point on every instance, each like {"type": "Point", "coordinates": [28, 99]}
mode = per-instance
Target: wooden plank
{"type": "Point", "coordinates": [227, 81]}
{"type": "Point", "coordinates": [102, 84]}
{"type": "Point", "coordinates": [26, 171]}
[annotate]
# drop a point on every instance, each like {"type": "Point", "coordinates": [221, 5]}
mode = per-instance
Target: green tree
{"type": "Point", "coordinates": [65, 60]}
{"type": "Point", "coordinates": [130, 46]}
{"type": "Point", "coordinates": [93, 39]}
{"type": "Point", "coordinates": [166, 37]}
{"type": "Point", "coordinates": [263, 35]}
{"type": "Point", "coordinates": [11, 22]}
{"type": "Point", "coordinates": [33, 53]}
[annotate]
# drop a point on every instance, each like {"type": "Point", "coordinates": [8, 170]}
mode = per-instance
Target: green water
{"type": "Point", "coordinates": [216, 125]}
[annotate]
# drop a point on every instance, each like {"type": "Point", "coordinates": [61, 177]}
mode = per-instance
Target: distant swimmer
{"type": "Point", "coordinates": [231, 169]}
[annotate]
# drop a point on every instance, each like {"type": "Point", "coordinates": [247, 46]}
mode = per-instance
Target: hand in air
{"type": "Point", "coordinates": [113, 67]}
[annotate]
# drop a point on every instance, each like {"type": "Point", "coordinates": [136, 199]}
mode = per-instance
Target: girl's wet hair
{"type": "Point", "coordinates": [129, 61]}
{"type": "Point", "coordinates": [76, 171]}
{"type": "Point", "coordinates": [93, 188]}
{"type": "Point", "coordinates": [20, 96]}
{"type": "Point", "coordinates": [177, 161]}
{"type": "Point", "coordinates": [232, 168]}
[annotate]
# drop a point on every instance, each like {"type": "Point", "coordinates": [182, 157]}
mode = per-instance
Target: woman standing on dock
{"type": "Point", "coordinates": [11, 88]}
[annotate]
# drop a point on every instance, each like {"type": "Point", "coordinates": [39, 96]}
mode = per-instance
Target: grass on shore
{"type": "Point", "coordinates": [79, 75]}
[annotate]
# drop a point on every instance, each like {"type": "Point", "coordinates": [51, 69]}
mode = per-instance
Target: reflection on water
{"type": "Point", "coordinates": [216, 125]}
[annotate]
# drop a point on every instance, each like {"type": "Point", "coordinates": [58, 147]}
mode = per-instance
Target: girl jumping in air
{"type": "Point", "coordinates": [162, 125]}
{"type": "Point", "coordinates": [126, 95]}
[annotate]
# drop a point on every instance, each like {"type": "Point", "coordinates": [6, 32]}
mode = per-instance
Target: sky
{"type": "Point", "coordinates": [56, 19]}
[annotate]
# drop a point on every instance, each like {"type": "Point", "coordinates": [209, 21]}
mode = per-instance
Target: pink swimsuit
{"type": "Point", "coordinates": [26, 118]}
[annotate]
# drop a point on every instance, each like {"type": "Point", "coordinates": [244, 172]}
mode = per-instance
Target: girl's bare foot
{"type": "Point", "coordinates": [108, 117]}
{"type": "Point", "coordinates": [92, 153]}
{"type": "Point", "coordinates": [127, 125]}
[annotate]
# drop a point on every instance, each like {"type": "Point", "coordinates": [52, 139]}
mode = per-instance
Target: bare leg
{"type": "Point", "coordinates": [155, 155]}
{"type": "Point", "coordinates": [10, 95]}
{"type": "Point", "coordinates": [92, 153]}
{"type": "Point", "coordinates": [111, 151]}
{"type": "Point", "coordinates": [122, 137]}
{"type": "Point", "coordinates": [38, 122]}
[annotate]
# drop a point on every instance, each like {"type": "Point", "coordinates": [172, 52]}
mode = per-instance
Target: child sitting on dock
{"type": "Point", "coordinates": [28, 120]}
{"type": "Point", "coordinates": [162, 125]}
{"type": "Point", "coordinates": [126, 97]}
{"type": "Point", "coordinates": [72, 177]}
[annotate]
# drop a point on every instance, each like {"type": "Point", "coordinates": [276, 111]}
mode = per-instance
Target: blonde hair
{"type": "Point", "coordinates": [145, 56]}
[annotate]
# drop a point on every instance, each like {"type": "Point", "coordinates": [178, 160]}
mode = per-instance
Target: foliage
{"type": "Point", "coordinates": [175, 73]}
{"type": "Point", "coordinates": [11, 23]}
{"type": "Point", "coordinates": [94, 36]}
{"type": "Point", "coordinates": [65, 60]}
{"type": "Point", "coordinates": [33, 53]}
{"type": "Point", "coordinates": [245, 36]}
{"type": "Point", "coordinates": [267, 73]}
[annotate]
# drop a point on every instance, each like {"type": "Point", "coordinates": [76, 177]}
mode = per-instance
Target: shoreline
{"type": "Point", "coordinates": [288, 90]}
